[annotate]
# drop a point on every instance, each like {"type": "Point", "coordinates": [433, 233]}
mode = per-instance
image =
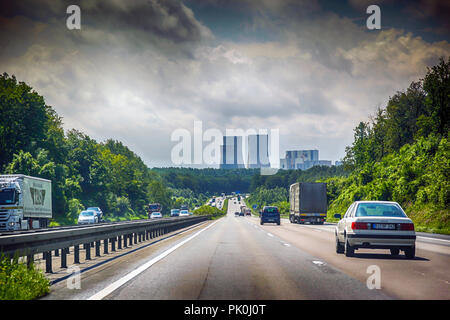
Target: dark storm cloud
{"type": "Point", "coordinates": [437, 10]}
{"type": "Point", "coordinates": [169, 19]}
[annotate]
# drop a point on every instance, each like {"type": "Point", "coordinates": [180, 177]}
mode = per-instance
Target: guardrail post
{"type": "Point", "coordinates": [119, 242]}
{"type": "Point", "coordinates": [124, 241]}
{"type": "Point", "coordinates": [57, 253]}
{"type": "Point", "coordinates": [105, 246]}
{"type": "Point", "coordinates": [30, 260]}
{"type": "Point", "coordinates": [48, 262]}
{"type": "Point", "coordinates": [113, 244]}
{"type": "Point", "coordinates": [87, 246]}
{"type": "Point", "coordinates": [97, 248]}
{"type": "Point", "coordinates": [64, 258]}
{"type": "Point", "coordinates": [76, 254]}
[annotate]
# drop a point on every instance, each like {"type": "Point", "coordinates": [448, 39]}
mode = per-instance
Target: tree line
{"type": "Point", "coordinates": [402, 154]}
{"type": "Point", "coordinates": [83, 172]}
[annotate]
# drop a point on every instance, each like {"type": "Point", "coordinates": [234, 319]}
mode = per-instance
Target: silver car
{"type": "Point", "coordinates": [155, 215]}
{"type": "Point", "coordinates": [375, 225]}
{"type": "Point", "coordinates": [87, 217]}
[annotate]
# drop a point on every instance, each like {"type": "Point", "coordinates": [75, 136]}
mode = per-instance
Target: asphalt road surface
{"type": "Point", "coordinates": [236, 258]}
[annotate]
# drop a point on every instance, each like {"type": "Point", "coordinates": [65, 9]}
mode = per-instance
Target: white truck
{"type": "Point", "coordinates": [25, 202]}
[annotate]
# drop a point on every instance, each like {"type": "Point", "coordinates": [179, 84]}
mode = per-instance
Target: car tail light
{"type": "Point", "coordinates": [360, 225]}
{"type": "Point", "coordinates": [407, 226]}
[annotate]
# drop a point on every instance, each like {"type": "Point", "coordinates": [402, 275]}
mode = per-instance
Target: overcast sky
{"type": "Point", "coordinates": [138, 70]}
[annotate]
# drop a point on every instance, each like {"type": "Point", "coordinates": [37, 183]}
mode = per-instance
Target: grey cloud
{"type": "Point", "coordinates": [168, 19]}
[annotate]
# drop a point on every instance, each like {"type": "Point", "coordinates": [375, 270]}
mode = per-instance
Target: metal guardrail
{"type": "Point", "coordinates": [60, 240]}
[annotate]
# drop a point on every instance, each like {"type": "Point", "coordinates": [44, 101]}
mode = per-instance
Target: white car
{"type": "Point", "coordinates": [87, 217]}
{"type": "Point", "coordinates": [375, 225]}
{"type": "Point", "coordinates": [184, 213]}
{"type": "Point", "coordinates": [155, 215]}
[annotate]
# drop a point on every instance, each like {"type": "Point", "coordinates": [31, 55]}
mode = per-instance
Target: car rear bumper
{"type": "Point", "coordinates": [376, 241]}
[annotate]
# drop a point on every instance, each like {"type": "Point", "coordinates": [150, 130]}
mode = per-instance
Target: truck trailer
{"type": "Point", "coordinates": [25, 202]}
{"type": "Point", "coordinates": [308, 202]}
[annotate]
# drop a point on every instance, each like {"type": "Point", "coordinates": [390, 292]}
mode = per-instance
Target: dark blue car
{"type": "Point", "coordinates": [270, 214]}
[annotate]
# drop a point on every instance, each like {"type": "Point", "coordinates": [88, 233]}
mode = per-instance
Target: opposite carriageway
{"type": "Point", "coordinates": [108, 235]}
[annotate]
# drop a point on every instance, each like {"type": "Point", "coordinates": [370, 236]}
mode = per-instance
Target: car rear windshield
{"type": "Point", "coordinates": [379, 210]}
{"type": "Point", "coordinates": [271, 210]}
{"type": "Point", "coordinates": [87, 213]}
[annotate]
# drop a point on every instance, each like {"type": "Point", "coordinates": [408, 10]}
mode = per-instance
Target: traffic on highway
{"type": "Point", "coordinates": [225, 159]}
{"type": "Point", "coordinates": [282, 259]}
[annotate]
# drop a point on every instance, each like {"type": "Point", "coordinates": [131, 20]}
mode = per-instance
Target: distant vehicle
{"type": "Point", "coordinates": [153, 207]}
{"type": "Point", "coordinates": [241, 214]}
{"type": "Point", "coordinates": [174, 212]}
{"type": "Point", "coordinates": [87, 217]}
{"type": "Point", "coordinates": [98, 212]}
{"type": "Point", "coordinates": [190, 213]}
{"type": "Point", "coordinates": [308, 203]}
{"type": "Point", "coordinates": [184, 207]}
{"type": "Point", "coordinates": [213, 204]}
{"type": "Point", "coordinates": [270, 214]}
{"type": "Point", "coordinates": [248, 212]}
{"type": "Point", "coordinates": [184, 213]}
{"type": "Point", "coordinates": [155, 215]}
{"type": "Point", "coordinates": [25, 202]}
{"type": "Point", "coordinates": [375, 225]}
{"type": "Point", "coordinates": [236, 214]}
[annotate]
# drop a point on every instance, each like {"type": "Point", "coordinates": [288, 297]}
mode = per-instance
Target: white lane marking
{"type": "Point", "coordinates": [286, 244]}
{"type": "Point", "coordinates": [319, 263]}
{"type": "Point", "coordinates": [315, 228]}
{"type": "Point", "coordinates": [269, 234]}
{"type": "Point", "coordinates": [115, 285]}
{"type": "Point", "coordinates": [432, 239]}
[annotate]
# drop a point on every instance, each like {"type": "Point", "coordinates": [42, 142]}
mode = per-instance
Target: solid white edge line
{"type": "Point", "coordinates": [115, 285]}
{"type": "Point", "coordinates": [432, 239]}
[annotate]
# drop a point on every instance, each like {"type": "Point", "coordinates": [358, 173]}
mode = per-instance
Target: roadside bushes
{"type": "Point", "coordinates": [212, 211]}
{"type": "Point", "coordinates": [20, 282]}
{"type": "Point", "coordinates": [417, 177]}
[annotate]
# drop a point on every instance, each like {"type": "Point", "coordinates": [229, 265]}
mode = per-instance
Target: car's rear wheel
{"type": "Point", "coordinates": [262, 222]}
{"type": "Point", "coordinates": [410, 252]}
{"type": "Point", "coordinates": [278, 222]}
{"type": "Point", "coordinates": [339, 247]}
{"type": "Point", "coordinates": [348, 249]}
{"type": "Point", "coordinates": [395, 252]}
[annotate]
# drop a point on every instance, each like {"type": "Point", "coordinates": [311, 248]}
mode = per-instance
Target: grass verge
{"type": "Point", "coordinates": [21, 282]}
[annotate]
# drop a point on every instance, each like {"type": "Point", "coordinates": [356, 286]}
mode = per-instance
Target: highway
{"type": "Point", "coordinates": [236, 258]}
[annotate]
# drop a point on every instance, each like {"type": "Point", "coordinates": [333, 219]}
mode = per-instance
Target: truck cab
{"type": "Point", "coordinates": [10, 218]}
